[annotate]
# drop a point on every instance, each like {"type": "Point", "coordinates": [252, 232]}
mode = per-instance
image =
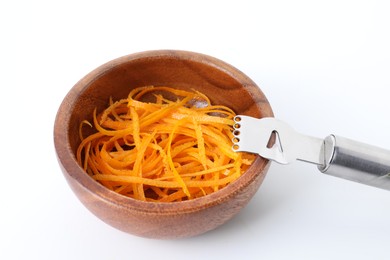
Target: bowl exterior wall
{"type": "Point", "coordinates": [162, 225]}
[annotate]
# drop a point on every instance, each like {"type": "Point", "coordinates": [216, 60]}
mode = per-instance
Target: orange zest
{"type": "Point", "coordinates": [162, 144]}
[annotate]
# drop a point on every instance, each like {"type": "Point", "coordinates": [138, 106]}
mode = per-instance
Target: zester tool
{"type": "Point", "coordinates": [335, 155]}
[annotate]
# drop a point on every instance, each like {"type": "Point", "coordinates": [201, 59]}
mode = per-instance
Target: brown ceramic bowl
{"type": "Point", "coordinates": [221, 82]}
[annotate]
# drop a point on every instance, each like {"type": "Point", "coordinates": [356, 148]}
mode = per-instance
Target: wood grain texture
{"type": "Point", "coordinates": [222, 83]}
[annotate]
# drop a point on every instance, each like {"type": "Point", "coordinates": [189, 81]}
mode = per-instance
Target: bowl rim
{"type": "Point", "coordinates": [71, 168]}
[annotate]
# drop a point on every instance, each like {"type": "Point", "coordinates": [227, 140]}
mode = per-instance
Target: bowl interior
{"type": "Point", "coordinates": [219, 81]}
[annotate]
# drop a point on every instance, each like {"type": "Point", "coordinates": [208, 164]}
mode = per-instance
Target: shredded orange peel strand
{"type": "Point", "coordinates": [170, 149]}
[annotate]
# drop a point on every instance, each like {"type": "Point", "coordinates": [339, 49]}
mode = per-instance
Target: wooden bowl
{"type": "Point", "coordinates": [221, 82]}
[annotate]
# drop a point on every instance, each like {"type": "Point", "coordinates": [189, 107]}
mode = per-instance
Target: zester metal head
{"type": "Point", "coordinates": [273, 139]}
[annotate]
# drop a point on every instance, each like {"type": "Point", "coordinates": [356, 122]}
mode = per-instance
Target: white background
{"type": "Point", "coordinates": [324, 66]}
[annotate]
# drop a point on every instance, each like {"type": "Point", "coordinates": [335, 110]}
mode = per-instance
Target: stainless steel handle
{"type": "Point", "coordinates": [356, 161]}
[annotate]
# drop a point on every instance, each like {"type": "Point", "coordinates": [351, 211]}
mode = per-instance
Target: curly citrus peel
{"type": "Point", "coordinates": [166, 150]}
